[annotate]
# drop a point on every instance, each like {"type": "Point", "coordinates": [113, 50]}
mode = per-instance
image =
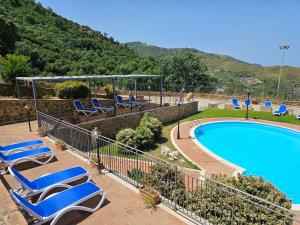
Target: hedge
{"type": "Point", "coordinates": [71, 89]}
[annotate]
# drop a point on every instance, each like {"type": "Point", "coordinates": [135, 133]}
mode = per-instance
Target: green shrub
{"type": "Point", "coordinates": [71, 89]}
{"type": "Point", "coordinates": [127, 136]}
{"type": "Point", "coordinates": [137, 175]}
{"type": "Point", "coordinates": [144, 137]}
{"type": "Point", "coordinates": [14, 66]}
{"type": "Point", "coordinates": [213, 200]}
{"type": "Point", "coordinates": [109, 91]}
{"type": "Point", "coordinates": [167, 181]}
{"type": "Point", "coordinates": [153, 124]}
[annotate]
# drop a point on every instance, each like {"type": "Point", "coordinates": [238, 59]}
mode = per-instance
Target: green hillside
{"type": "Point", "coordinates": [220, 64]}
{"type": "Point", "coordinates": [56, 45]}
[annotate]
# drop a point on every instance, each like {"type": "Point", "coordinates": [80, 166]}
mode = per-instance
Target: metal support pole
{"type": "Point", "coordinates": [18, 90]}
{"type": "Point", "coordinates": [89, 82]}
{"type": "Point", "coordinates": [114, 95]}
{"type": "Point", "coordinates": [36, 104]}
{"type": "Point", "coordinates": [98, 154]}
{"type": "Point", "coordinates": [135, 88]}
{"type": "Point", "coordinates": [161, 84]}
{"type": "Point", "coordinates": [178, 122]}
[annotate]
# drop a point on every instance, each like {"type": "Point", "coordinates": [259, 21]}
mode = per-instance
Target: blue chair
{"type": "Point", "coordinates": [135, 101]}
{"type": "Point", "coordinates": [38, 185]}
{"type": "Point", "coordinates": [268, 104]}
{"type": "Point", "coordinates": [20, 145]}
{"type": "Point", "coordinates": [56, 205]}
{"type": "Point", "coordinates": [79, 108]}
{"type": "Point", "coordinates": [32, 154]}
{"type": "Point", "coordinates": [121, 102]}
{"type": "Point", "coordinates": [104, 108]}
{"type": "Point", "coordinates": [236, 103]}
{"type": "Point", "coordinates": [281, 111]}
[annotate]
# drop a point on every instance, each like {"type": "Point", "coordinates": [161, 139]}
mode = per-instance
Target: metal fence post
{"type": "Point", "coordinates": [233, 208]}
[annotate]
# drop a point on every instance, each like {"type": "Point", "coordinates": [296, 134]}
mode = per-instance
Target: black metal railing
{"type": "Point", "coordinates": [203, 200]}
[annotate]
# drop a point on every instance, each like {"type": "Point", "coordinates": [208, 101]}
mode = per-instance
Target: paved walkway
{"type": "Point", "coordinates": [123, 205]}
{"type": "Point", "coordinates": [198, 156]}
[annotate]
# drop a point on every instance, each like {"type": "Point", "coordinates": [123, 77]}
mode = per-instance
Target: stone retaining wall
{"type": "Point", "coordinates": [110, 126]}
{"type": "Point", "coordinates": [25, 91]}
{"type": "Point", "coordinates": [12, 110]}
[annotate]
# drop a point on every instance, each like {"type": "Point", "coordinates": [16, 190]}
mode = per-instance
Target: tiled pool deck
{"type": "Point", "coordinates": [123, 204]}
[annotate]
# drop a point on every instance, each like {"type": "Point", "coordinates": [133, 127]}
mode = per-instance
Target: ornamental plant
{"type": "Point", "coordinates": [127, 136]}
{"type": "Point", "coordinates": [144, 137]}
{"type": "Point", "coordinates": [153, 124]}
{"type": "Point", "coordinates": [71, 89]}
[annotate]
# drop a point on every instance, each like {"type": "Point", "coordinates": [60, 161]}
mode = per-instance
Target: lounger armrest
{"type": "Point", "coordinates": [50, 188]}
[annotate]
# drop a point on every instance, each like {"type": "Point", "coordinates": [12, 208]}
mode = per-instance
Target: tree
{"type": "Point", "coordinates": [187, 69]}
{"type": "Point", "coordinates": [8, 37]}
{"type": "Point", "coordinates": [13, 66]}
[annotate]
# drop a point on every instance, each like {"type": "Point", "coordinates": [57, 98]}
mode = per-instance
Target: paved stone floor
{"type": "Point", "coordinates": [123, 205]}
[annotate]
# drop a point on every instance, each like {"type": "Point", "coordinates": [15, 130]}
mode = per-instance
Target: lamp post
{"type": "Point", "coordinates": [149, 87]}
{"type": "Point", "coordinates": [28, 116]}
{"type": "Point", "coordinates": [95, 139]}
{"type": "Point", "coordinates": [283, 47]}
{"type": "Point", "coordinates": [178, 115]}
{"type": "Point", "coordinates": [247, 102]}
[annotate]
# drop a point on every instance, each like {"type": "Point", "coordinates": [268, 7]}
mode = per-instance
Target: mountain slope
{"type": "Point", "coordinates": [218, 62]}
{"type": "Point", "coordinates": [59, 46]}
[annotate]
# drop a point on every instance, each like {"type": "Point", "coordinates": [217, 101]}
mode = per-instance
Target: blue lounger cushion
{"type": "Point", "coordinates": [21, 145]}
{"type": "Point", "coordinates": [24, 154]}
{"type": "Point", "coordinates": [55, 203]}
{"type": "Point", "coordinates": [43, 182]}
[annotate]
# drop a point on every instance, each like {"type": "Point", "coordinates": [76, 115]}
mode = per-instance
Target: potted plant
{"type": "Point", "coordinates": [60, 145]}
{"type": "Point", "coordinates": [150, 195]}
{"type": "Point", "coordinates": [42, 132]}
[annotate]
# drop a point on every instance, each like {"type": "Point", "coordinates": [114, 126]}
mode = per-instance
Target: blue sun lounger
{"type": "Point", "coordinates": [236, 103]}
{"type": "Point", "coordinates": [29, 188]}
{"type": "Point", "coordinates": [56, 205]}
{"type": "Point", "coordinates": [281, 111]}
{"type": "Point", "coordinates": [20, 145]}
{"type": "Point", "coordinates": [98, 106]}
{"type": "Point", "coordinates": [80, 108]}
{"type": "Point", "coordinates": [268, 104]}
{"type": "Point", "coordinates": [120, 101]}
{"type": "Point", "coordinates": [137, 102]}
{"type": "Point", "coordinates": [32, 154]}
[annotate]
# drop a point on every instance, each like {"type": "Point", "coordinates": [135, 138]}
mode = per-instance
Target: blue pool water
{"type": "Point", "coordinates": [263, 150]}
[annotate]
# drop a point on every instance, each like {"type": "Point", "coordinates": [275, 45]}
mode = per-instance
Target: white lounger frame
{"type": "Point", "coordinates": [21, 187]}
{"type": "Point", "coordinates": [56, 216]}
{"type": "Point", "coordinates": [4, 164]}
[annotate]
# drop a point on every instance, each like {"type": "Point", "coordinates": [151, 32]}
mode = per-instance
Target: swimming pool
{"type": "Point", "coordinates": [262, 150]}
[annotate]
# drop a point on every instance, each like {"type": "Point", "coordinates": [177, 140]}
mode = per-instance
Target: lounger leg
{"type": "Point", "coordinates": [81, 208]}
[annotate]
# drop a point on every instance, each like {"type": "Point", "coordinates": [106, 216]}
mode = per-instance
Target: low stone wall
{"type": "Point", "coordinates": [25, 91]}
{"type": "Point", "coordinates": [12, 110]}
{"type": "Point", "coordinates": [109, 127]}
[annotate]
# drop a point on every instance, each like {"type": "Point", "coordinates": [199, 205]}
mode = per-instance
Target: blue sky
{"type": "Point", "coordinates": [249, 30]}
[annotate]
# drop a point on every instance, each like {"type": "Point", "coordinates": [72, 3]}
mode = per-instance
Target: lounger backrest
{"type": "Point", "coordinates": [268, 104]}
{"type": "Point", "coordinates": [2, 156]}
{"type": "Point", "coordinates": [78, 105]}
{"type": "Point", "coordinates": [24, 204]}
{"type": "Point", "coordinates": [95, 102]}
{"type": "Point", "coordinates": [235, 101]}
{"type": "Point", "coordinates": [119, 98]}
{"type": "Point", "coordinates": [132, 98]}
{"type": "Point", "coordinates": [21, 178]}
{"type": "Point", "coordinates": [282, 108]}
